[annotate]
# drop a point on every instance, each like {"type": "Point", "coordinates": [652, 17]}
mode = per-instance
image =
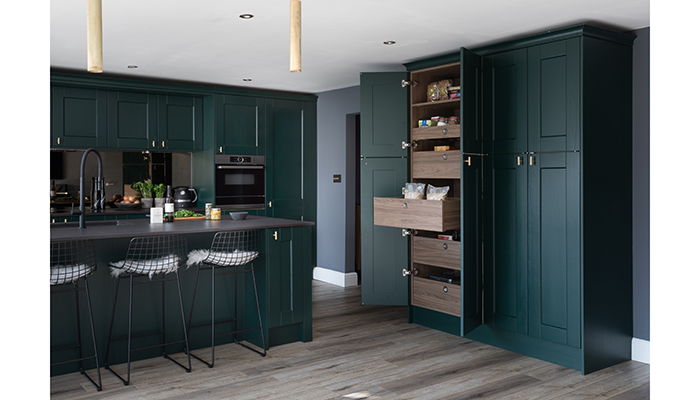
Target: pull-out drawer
{"type": "Point", "coordinates": [436, 164]}
{"type": "Point", "coordinates": [441, 253]}
{"type": "Point", "coordinates": [436, 132]}
{"type": "Point", "coordinates": [427, 215]}
{"type": "Point", "coordinates": [437, 296]}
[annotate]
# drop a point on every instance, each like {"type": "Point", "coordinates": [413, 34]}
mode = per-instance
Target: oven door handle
{"type": "Point", "coordinates": [239, 167]}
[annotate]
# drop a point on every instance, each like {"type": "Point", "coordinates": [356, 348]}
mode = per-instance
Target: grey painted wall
{"type": "Point", "coordinates": [336, 201]}
{"type": "Point", "coordinates": [640, 185]}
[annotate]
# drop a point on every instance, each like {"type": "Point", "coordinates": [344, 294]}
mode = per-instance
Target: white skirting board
{"type": "Point", "coordinates": [641, 350]}
{"type": "Point", "coordinates": [335, 277]}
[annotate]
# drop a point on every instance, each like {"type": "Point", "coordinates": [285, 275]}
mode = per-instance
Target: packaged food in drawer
{"type": "Point", "coordinates": [427, 215]}
{"type": "Point", "coordinates": [441, 253]}
{"type": "Point", "coordinates": [437, 296]}
{"type": "Point", "coordinates": [436, 164]}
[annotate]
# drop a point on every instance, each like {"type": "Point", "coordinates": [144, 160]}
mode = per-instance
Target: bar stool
{"type": "Point", "coordinates": [149, 256]}
{"type": "Point", "coordinates": [231, 249]}
{"type": "Point", "coordinates": [71, 262]}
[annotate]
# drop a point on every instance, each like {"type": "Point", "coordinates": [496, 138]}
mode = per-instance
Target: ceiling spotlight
{"type": "Point", "coordinates": [246, 16]}
{"type": "Point", "coordinates": [389, 42]}
{"type": "Point", "coordinates": [132, 66]}
{"type": "Point", "coordinates": [247, 80]}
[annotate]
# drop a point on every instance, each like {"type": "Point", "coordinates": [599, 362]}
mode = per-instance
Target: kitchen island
{"type": "Point", "coordinates": [283, 274]}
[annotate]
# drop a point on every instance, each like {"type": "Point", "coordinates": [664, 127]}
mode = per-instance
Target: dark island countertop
{"type": "Point", "coordinates": [143, 227]}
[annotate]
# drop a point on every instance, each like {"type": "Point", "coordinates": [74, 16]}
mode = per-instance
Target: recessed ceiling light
{"type": "Point", "coordinates": [247, 80]}
{"type": "Point", "coordinates": [246, 16]}
{"type": "Point", "coordinates": [389, 42]}
{"type": "Point", "coordinates": [132, 66]}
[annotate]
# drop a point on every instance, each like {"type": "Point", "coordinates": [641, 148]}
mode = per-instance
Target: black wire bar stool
{"type": "Point", "coordinates": [231, 250]}
{"type": "Point", "coordinates": [71, 262]}
{"type": "Point", "coordinates": [149, 256]}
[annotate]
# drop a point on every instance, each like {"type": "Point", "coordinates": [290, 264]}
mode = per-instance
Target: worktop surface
{"type": "Point", "coordinates": [138, 227]}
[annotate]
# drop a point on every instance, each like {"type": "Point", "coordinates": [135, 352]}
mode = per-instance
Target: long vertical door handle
{"type": "Point", "coordinates": [532, 160]}
{"type": "Point", "coordinates": [520, 161]}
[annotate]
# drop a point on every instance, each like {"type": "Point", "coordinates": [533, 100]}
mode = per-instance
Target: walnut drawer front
{"type": "Point", "coordinates": [427, 215]}
{"type": "Point", "coordinates": [437, 296]}
{"type": "Point", "coordinates": [436, 164]}
{"type": "Point", "coordinates": [438, 252]}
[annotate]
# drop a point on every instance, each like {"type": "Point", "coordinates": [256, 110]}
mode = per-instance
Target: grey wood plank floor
{"type": "Point", "coordinates": [363, 352]}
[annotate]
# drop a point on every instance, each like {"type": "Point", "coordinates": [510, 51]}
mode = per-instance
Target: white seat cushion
{"type": "Point", "coordinates": [221, 258]}
{"type": "Point", "coordinates": [163, 265]}
{"type": "Point", "coordinates": [62, 274]}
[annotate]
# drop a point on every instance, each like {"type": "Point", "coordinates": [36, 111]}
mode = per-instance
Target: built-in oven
{"type": "Point", "coordinates": [240, 181]}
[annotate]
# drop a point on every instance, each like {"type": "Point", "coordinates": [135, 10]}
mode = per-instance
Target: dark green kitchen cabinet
{"type": "Point", "coordinates": [545, 187]}
{"type": "Point", "coordinates": [290, 176]}
{"type": "Point", "coordinates": [180, 123]}
{"type": "Point", "coordinates": [133, 120]}
{"type": "Point", "coordinates": [241, 125]}
{"type": "Point", "coordinates": [78, 117]}
{"type": "Point", "coordinates": [288, 284]}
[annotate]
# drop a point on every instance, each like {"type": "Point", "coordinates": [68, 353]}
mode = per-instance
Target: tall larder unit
{"type": "Point", "coordinates": [540, 177]}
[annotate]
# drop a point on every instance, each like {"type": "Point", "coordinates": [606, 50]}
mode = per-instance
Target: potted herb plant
{"type": "Point", "coordinates": [159, 192]}
{"type": "Point", "coordinates": [145, 189]}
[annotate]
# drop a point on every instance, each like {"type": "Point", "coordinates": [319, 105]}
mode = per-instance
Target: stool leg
{"type": "Point", "coordinates": [257, 303]}
{"type": "Point", "coordinates": [77, 318]}
{"type": "Point", "coordinates": [194, 295]}
{"type": "Point", "coordinates": [213, 313]}
{"type": "Point", "coordinates": [111, 325]}
{"type": "Point", "coordinates": [94, 342]}
{"type": "Point", "coordinates": [184, 326]}
{"type": "Point", "coordinates": [128, 340]}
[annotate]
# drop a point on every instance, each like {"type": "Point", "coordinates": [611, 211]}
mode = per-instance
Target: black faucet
{"type": "Point", "coordinates": [98, 202]}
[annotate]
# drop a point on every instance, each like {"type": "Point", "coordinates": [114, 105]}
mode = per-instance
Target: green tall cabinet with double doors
{"type": "Point", "coordinates": [553, 158]}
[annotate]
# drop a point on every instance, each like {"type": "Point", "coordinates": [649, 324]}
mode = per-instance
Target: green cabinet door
{"type": "Point", "coordinates": [505, 190]}
{"type": "Point", "coordinates": [284, 159]}
{"type": "Point", "coordinates": [384, 249]}
{"type": "Point", "coordinates": [553, 99]}
{"type": "Point", "coordinates": [384, 114]}
{"type": "Point", "coordinates": [241, 125]}
{"type": "Point", "coordinates": [180, 123]}
{"type": "Point", "coordinates": [133, 120]}
{"type": "Point", "coordinates": [554, 255]}
{"type": "Point", "coordinates": [78, 117]}
{"type": "Point", "coordinates": [288, 284]}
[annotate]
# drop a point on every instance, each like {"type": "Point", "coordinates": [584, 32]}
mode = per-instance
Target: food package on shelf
{"type": "Point", "coordinates": [437, 193]}
{"type": "Point", "coordinates": [414, 191]}
{"type": "Point", "coordinates": [433, 92]}
{"type": "Point", "coordinates": [443, 86]}
{"type": "Point", "coordinates": [442, 148]}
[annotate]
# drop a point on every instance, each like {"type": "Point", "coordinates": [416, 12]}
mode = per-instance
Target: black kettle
{"type": "Point", "coordinates": [185, 197]}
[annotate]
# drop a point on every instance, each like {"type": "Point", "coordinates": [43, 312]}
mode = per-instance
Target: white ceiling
{"type": "Point", "coordinates": [206, 42]}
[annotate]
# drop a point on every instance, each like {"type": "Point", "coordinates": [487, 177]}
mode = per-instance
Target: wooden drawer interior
{"type": "Point", "coordinates": [429, 215]}
{"type": "Point", "coordinates": [436, 296]}
{"type": "Point", "coordinates": [438, 252]}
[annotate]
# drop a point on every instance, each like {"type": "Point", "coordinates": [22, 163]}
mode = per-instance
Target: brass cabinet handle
{"type": "Point", "coordinates": [274, 235]}
{"type": "Point", "coordinates": [532, 160]}
{"type": "Point", "coordinates": [221, 149]}
{"type": "Point", "coordinates": [468, 161]}
{"type": "Point", "coordinates": [163, 144]}
{"type": "Point", "coordinates": [269, 204]}
{"type": "Point", "coordinates": [520, 161]}
{"type": "Point", "coordinates": [154, 144]}
{"type": "Point", "coordinates": [58, 140]}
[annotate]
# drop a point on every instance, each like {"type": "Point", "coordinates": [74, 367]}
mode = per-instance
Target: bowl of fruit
{"type": "Point", "coordinates": [128, 202]}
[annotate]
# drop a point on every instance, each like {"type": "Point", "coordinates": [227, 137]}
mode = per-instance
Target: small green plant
{"type": "Point", "coordinates": [144, 189]}
{"type": "Point", "coordinates": [159, 190]}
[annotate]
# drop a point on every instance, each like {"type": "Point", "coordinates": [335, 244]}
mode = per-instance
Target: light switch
{"type": "Point", "coordinates": [336, 178]}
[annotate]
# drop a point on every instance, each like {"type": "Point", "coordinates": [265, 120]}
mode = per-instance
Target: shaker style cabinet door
{"type": "Point", "coordinates": [384, 249]}
{"type": "Point", "coordinates": [133, 120]}
{"type": "Point", "coordinates": [78, 117]}
{"type": "Point", "coordinates": [383, 114]}
{"type": "Point", "coordinates": [180, 123]}
{"type": "Point", "coordinates": [241, 127]}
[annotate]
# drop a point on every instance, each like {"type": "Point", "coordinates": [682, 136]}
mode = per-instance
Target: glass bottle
{"type": "Point", "coordinates": [169, 207]}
